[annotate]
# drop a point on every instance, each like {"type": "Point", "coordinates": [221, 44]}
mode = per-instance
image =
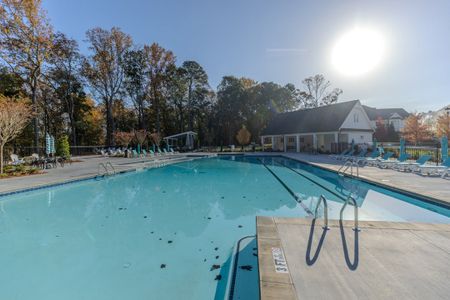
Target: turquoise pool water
{"type": "Point", "coordinates": [166, 233]}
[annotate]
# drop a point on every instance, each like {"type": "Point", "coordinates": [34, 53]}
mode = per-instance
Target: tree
{"type": "Point", "coordinates": [64, 78]}
{"type": "Point", "coordinates": [104, 69]}
{"type": "Point", "coordinates": [197, 87]}
{"type": "Point", "coordinates": [25, 44]}
{"type": "Point", "coordinates": [63, 146]}
{"type": "Point", "coordinates": [380, 130]}
{"type": "Point", "coordinates": [316, 92]}
{"type": "Point", "coordinates": [140, 135]}
{"type": "Point", "coordinates": [415, 131]}
{"type": "Point", "coordinates": [156, 138]}
{"type": "Point", "coordinates": [243, 136]}
{"type": "Point", "coordinates": [443, 126]}
{"type": "Point", "coordinates": [124, 138]}
{"type": "Point", "coordinates": [11, 84]}
{"type": "Point", "coordinates": [159, 61]}
{"type": "Point", "coordinates": [137, 82]}
{"type": "Point", "coordinates": [14, 116]}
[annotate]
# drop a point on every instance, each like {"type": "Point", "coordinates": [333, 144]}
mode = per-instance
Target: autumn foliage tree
{"type": "Point", "coordinates": [14, 116]}
{"type": "Point", "coordinates": [243, 137]}
{"type": "Point", "coordinates": [415, 131]}
{"type": "Point", "coordinates": [25, 45]}
{"type": "Point", "coordinates": [124, 138]}
{"type": "Point", "coordinates": [443, 126]}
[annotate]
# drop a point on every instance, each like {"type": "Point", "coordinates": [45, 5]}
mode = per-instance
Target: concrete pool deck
{"type": "Point", "coordinates": [434, 188]}
{"type": "Point", "coordinates": [388, 261]}
{"type": "Point", "coordinates": [86, 167]}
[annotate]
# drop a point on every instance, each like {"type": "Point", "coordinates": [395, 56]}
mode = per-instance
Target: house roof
{"type": "Point", "coordinates": [384, 113]}
{"type": "Point", "coordinates": [320, 119]}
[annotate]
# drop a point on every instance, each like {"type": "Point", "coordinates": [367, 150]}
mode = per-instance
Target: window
{"type": "Point", "coordinates": [291, 140]}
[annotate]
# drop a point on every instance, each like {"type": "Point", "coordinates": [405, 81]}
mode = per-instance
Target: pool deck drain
{"type": "Point", "coordinates": [388, 261]}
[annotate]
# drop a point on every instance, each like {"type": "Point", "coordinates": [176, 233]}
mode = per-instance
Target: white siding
{"type": "Point", "coordinates": [357, 119]}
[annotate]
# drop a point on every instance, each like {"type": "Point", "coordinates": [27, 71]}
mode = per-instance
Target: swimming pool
{"type": "Point", "coordinates": [167, 233]}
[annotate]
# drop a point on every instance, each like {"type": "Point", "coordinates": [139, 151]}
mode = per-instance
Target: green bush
{"type": "Point", "coordinates": [63, 147]}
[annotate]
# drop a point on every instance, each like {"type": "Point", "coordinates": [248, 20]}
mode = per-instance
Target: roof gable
{"type": "Point", "coordinates": [384, 113]}
{"type": "Point", "coordinates": [327, 118]}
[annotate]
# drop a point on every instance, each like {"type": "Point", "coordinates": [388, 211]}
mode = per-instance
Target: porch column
{"type": "Point", "coordinates": [262, 143]}
{"type": "Point", "coordinates": [284, 143]}
{"type": "Point", "coordinates": [297, 143]}
{"type": "Point", "coordinates": [314, 141]}
{"type": "Point", "coordinates": [273, 141]}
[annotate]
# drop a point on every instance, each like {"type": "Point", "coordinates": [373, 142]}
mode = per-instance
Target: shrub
{"type": "Point", "coordinates": [63, 147]}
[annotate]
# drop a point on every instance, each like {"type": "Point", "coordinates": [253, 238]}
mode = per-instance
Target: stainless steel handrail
{"type": "Point", "coordinates": [349, 164]}
{"type": "Point", "coordinates": [325, 211]}
{"type": "Point", "coordinates": [350, 198]}
{"type": "Point", "coordinates": [108, 163]}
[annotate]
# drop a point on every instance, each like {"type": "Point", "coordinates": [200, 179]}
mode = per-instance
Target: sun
{"type": "Point", "coordinates": [358, 51]}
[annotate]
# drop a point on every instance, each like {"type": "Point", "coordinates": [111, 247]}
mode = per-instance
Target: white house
{"type": "Point", "coordinates": [394, 116]}
{"type": "Point", "coordinates": [321, 128]}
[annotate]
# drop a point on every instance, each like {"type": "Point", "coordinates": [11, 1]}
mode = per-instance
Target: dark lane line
{"type": "Point", "coordinates": [291, 192]}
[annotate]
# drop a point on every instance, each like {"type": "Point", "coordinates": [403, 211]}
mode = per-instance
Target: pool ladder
{"type": "Point", "coordinates": [349, 165]}
{"type": "Point", "coordinates": [350, 199]}
{"type": "Point", "coordinates": [107, 167]}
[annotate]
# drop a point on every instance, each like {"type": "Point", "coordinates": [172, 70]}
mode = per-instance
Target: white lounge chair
{"type": "Point", "coordinates": [442, 169]}
{"type": "Point", "coordinates": [413, 166]}
{"type": "Point", "coordinates": [15, 160]}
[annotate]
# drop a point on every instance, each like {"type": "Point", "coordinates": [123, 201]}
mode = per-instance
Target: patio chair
{"type": "Point", "coordinates": [436, 170]}
{"type": "Point", "coordinates": [15, 160]}
{"type": "Point", "coordinates": [348, 155]}
{"type": "Point", "coordinates": [391, 163]}
{"type": "Point", "coordinates": [335, 156]}
{"type": "Point", "coordinates": [361, 154]}
{"type": "Point", "coordinates": [134, 153]}
{"type": "Point", "coordinates": [377, 161]}
{"type": "Point", "coordinates": [412, 166]}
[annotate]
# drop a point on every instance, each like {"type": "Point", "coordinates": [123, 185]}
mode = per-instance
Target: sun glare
{"type": "Point", "coordinates": [358, 51]}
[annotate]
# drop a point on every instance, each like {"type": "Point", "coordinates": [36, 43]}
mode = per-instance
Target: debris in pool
{"type": "Point", "coordinates": [254, 248]}
{"type": "Point", "coordinates": [145, 217]}
{"type": "Point", "coordinates": [126, 265]}
{"type": "Point", "coordinates": [240, 226]}
{"type": "Point", "coordinates": [152, 232]}
{"type": "Point", "coordinates": [218, 277]}
{"type": "Point", "coordinates": [106, 217]}
{"type": "Point", "coordinates": [164, 191]}
{"type": "Point", "coordinates": [244, 197]}
{"type": "Point", "coordinates": [217, 248]}
{"type": "Point", "coordinates": [246, 267]}
{"type": "Point", "coordinates": [217, 257]}
{"type": "Point", "coordinates": [209, 218]}
{"type": "Point", "coordinates": [214, 267]}
{"type": "Point", "coordinates": [163, 266]}
{"type": "Point", "coordinates": [222, 197]}
{"type": "Point", "coordinates": [56, 235]}
{"type": "Point", "coordinates": [169, 242]}
{"type": "Point", "coordinates": [160, 239]}
{"type": "Point", "coordinates": [254, 254]}
{"type": "Point", "coordinates": [204, 260]}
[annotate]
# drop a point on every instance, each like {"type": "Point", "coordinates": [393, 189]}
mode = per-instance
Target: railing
{"type": "Point", "coordinates": [351, 199]}
{"type": "Point", "coordinates": [349, 164]}
{"type": "Point", "coordinates": [105, 167]}
{"type": "Point", "coordinates": [325, 211]}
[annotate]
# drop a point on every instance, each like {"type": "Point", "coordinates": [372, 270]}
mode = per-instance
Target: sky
{"type": "Point", "coordinates": [285, 41]}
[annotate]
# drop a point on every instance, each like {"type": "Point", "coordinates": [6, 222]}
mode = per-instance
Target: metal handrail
{"type": "Point", "coordinates": [105, 167]}
{"type": "Point", "coordinates": [350, 198]}
{"type": "Point", "coordinates": [108, 163]}
{"type": "Point", "coordinates": [325, 211]}
{"type": "Point", "coordinates": [349, 164]}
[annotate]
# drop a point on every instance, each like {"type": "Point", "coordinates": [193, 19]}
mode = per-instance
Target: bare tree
{"type": "Point", "coordinates": [14, 116]}
{"type": "Point", "coordinates": [104, 69]}
{"type": "Point", "coordinates": [443, 125]}
{"type": "Point", "coordinates": [25, 44]}
{"type": "Point", "coordinates": [317, 92]}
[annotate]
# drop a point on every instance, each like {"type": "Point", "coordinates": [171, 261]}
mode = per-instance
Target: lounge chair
{"type": "Point", "coordinates": [436, 170]}
{"type": "Point", "coordinates": [346, 156]}
{"type": "Point", "coordinates": [391, 163]}
{"type": "Point", "coordinates": [412, 166]}
{"type": "Point", "coordinates": [15, 160]}
{"type": "Point", "coordinates": [144, 153]}
{"type": "Point", "coordinates": [151, 152]}
{"type": "Point", "coordinates": [377, 161]}
{"type": "Point", "coordinates": [134, 153]}
{"type": "Point", "coordinates": [335, 156]}
{"type": "Point", "coordinates": [360, 155]}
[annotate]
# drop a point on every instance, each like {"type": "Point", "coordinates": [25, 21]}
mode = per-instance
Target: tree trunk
{"type": "Point", "coordinates": [1, 159]}
{"type": "Point", "coordinates": [35, 117]}
{"type": "Point", "coordinates": [109, 123]}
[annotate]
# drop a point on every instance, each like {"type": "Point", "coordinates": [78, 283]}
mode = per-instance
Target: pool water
{"type": "Point", "coordinates": [167, 233]}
